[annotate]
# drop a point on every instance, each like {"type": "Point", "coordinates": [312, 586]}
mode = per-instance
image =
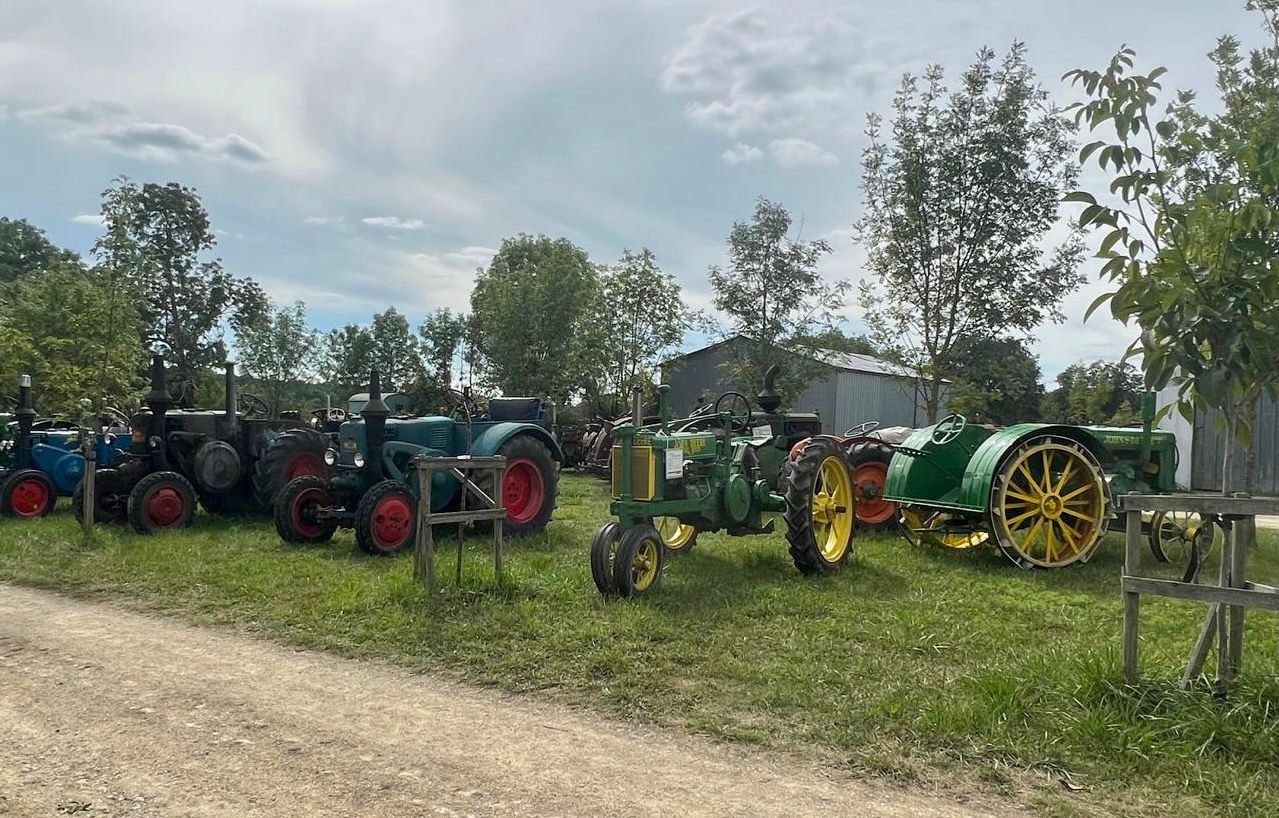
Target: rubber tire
{"type": "Point", "coordinates": [628, 548]}
{"type": "Point", "coordinates": [364, 518]}
{"type": "Point", "coordinates": [683, 549]}
{"type": "Point", "coordinates": [603, 549]}
{"type": "Point", "coordinates": [799, 515]}
{"type": "Point", "coordinates": [525, 446]}
{"type": "Point", "coordinates": [282, 510]}
{"type": "Point", "coordinates": [872, 451]}
{"type": "Point", "coordinates": [229, 504]}
{"type": "Point", "coordinates": [22, 476]}
{"type": "Point", "coordinates": [147, 485]}
{"type": "Point", "coordinates": [102, 514]}
{"type": "Point", "coordinates": [270, 473]}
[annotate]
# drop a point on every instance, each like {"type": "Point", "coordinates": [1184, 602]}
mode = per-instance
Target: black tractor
{"type": "Point", "coordinates": [230, 461]}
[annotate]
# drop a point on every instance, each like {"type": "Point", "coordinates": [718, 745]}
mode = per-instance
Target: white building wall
{"type": "Point", "coordinates": [1179, 426]}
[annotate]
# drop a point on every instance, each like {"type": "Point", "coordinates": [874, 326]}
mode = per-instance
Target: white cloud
{"type": "Point", "coordinates": [741, 153]}
{"type": "Point", "coordinates": [325, 221]}
{"type": "Point", "coordinates": [799, 153]}
{"type": "Point", "coordinates": [394, 223]}
{"type": "Point", "coordinates": [95, 219]}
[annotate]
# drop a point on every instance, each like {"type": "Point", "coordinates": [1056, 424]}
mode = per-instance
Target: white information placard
{"type": "Point", "coordinates": [674, 463]}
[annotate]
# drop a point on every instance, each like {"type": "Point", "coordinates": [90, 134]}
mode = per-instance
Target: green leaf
{"type": "Point", "coordinates": [1097, 302]}
{"type": "Point", "coordinates": [1080, 196]}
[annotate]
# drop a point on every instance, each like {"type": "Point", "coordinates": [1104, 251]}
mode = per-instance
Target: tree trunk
{"type": "Point", "coordinates": [932, 399]}
{"type": "Point", "coordinates": [1250, 453]}
{"type": "Point", "coordinates": [1228, 455]}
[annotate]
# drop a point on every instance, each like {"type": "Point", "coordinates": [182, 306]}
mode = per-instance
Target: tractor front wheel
{"type": "Point", "coordinates": [678, 537]}
{"type": "Point", "coordinates": [530, 485]}
{"type": "Point", "coordinates": [295, 509]}
{"type": "Point", "coordinates": [386, 519]}
{"type": "Point", "coordinates": [1174, 534]}
{"type": "Point", "coordinates": [941, 528]}
{"type": "Point", "coordinates": [110, 498]}
{"type": "Point", "coordinates": [161, 501]}
{"type": "Point", "coordinates": [603, 552]}
{"type": "Point", "coordinates": [28, 493]}
{"type": "Point", "coordinates": [820, 508]}
{"type": "Point", "coordinates": [868, 462]}
{"type": "Point", "coordinates": [638, 564]}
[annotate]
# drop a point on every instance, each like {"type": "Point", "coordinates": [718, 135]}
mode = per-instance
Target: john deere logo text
{"type": "Point", "coordinates": [691, 445]}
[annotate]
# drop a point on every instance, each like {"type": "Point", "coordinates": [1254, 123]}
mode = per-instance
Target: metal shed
{"type": "Point", "coordinates": [856, 388]}
{"type": "Point", "coordinates": [1201, 443]}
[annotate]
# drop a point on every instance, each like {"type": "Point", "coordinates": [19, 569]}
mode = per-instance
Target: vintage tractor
{"type": "Point", "coordinates": [374, 489]}
{"type": "Point", "coordinates": [1041, 492]}
{"type": "Point", "coordinates": [669, 485]}
{"type": "Point", "coordinates": [233, 460]}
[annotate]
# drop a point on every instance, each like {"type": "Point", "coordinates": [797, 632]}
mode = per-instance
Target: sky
{"type": "Point", "coordinates": [360, 154]}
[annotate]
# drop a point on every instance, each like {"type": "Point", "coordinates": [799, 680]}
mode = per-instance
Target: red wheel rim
{"type": "Point", "coordinates": [165, 506]}
{"type": "Point", "coordinates": [30, 498]}
{"type": "Point", "coordinates": [392, 521]}
{"type": "Point", "coordinates": [305, 500]}
{"type": "Point", "coordinates": [872, 508]}
{"type": "Point", "coordinates": [306, 463]}
{"type": "Point", "coordinates": [523, 492]}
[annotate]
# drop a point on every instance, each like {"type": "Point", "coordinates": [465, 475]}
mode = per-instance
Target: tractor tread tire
{"type": "Point", "coordinates": [800, 476]}
{"type": "Point", "coordinates": [137, 513]}
{"type": "Point", "coordinates": [227, 504]}
{"type": "Point", "coordinates": [628, 547]}
{"type": "Point", "coordinates": [364, 518]}
{"type": "Point", "coordinates": [21, 476]}
{"type": "Point", "coordinates": [872, 451]}
{"type": "Point", "coordinates": [282, 510]}
{"type": "Point", "coordinates": [603, 548]}
{"type": "Point", "coordinates": [271, 472]}
{"type": "Point", "coordinates": [521, 447]}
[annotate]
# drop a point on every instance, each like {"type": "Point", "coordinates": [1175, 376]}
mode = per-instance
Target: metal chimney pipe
{"type": "Point", "coordinates": [637, 407]}
{"type": "Point", "coordinates": [26, 414]}
{"type": "Point", "coordinates": [232, 421]}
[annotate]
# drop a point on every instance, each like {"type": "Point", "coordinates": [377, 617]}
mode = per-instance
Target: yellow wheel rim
{"type": "Point", "coordinates": [929, 526]}
{"type": "Point", "coordinates": [833, 508]}
{"type": "Point", "coordinates": [1050, 504]}
{"type": "Point", "coordinates": [644, 566]}
{"type": "Point", "coordinates": [1176, 532]}
{"type": "Point", "coordinates": [676, 536]}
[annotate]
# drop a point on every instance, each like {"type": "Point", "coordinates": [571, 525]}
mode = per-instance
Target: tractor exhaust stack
{"type": "Point", "coordinates": [375, 413]}
{"type": "Point", "coordinates": [232, 422]}
{"type": "Point", "coordinates": [159, 401]}
{"type": "Point", "coordinates": [26, 414]}
{"type": "Point", "coordinates": [768, 399]}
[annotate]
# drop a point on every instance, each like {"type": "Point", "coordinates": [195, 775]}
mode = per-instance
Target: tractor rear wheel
{"type": "Point", "coordinates": [110, 498]}
{"type": "Point", "coordinates": [230, 503]}
{"type": "Point", "coordinates": [294, 512]}
{"type": "Point", "coordinates": [1049, 503]}
{"type": "Point", "coordinates": [603, 552]}
{"type": "Point", "coordinates": [638, 564]}
{"type": "Point", "coordinates": [386, 519]}
{"type": "Point", "coordinates": [1173, 534]}
{"type": "Point", "coordinates": [161, 501]}
{"type": "Point", "coordinates": [820, 508]}
{"type": "Point", "coordinates": [530, 485]}
{"type": "Point", "coordinates": [295, 453]}
{"type": "Point", "coordinates": [868, 462]}
{"type": "Point", "coordinates": [28, 493]}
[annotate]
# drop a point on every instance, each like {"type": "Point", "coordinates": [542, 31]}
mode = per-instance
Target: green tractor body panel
{"type": "Point", "coordinates": [1124, 464]}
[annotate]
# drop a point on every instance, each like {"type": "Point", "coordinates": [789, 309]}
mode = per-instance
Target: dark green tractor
{"type": "Point", "coordinates": [374, 488]}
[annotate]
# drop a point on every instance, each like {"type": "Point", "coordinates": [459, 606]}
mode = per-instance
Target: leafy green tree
{"type": "Point", "coordinates": [958, 201]}
{"type": "Point", "coordinates": [24, 250]}
{"type": "Point", "coordinates": [1096, 393]}
{"type": "Point", "coordinates": [279, 350]}
{"type": "Point", "coordinates": [441, 337]}
{"type": "Point", "coordinates": [994, 380]}
{"type": "Point", "coordinates": [348, 354]}
{"type": "Point", "coordinates": [155, 235]}
{"type": "Point", "coordinates": [395, 350]}
{"type": "Point", "coordinates": [1190, 225]}
{"type": "Point", "coordinates": [58, 327]}
{"type": "Point", "coordinates": [531, 317]}
{"type": "Point", "coordinates": [833, 339]}
{"type": "Point", "coordinates": [772, 295]}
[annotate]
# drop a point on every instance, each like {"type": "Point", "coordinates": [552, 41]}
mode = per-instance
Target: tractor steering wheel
{"type": "Point", "coordinates": [459, 400]}
{"type": "Point", "coordinates": [335, 415]}
{"type": "Point", "coordinates": [251, 405]}
{"type": "Point", "coordinates": [118, 416]}
{"type": "Point", "coordinates": [948, 428]}
{"type": "Point", "coordinates": [728, 402]}
{"type": "Point", "coordinates": [862, 429]}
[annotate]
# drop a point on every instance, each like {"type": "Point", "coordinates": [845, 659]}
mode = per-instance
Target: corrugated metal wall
{"type": "Point", "coordinates": [862, 396]}
{"type": "Point", "coordinates": [1209, 444]}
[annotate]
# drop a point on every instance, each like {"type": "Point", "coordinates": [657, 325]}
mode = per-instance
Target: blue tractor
{"type": "Point", "coordinates": [37, 466]}
{"type": "Point", "coordinates": [373, 487]}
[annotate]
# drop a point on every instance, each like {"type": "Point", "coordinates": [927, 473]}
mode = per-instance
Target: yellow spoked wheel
{"type": "Point", "coordinates": [1174, 534]}
{"type": "Point", "coordinates": [942, 529]}
{"type": "Point", "coordinates": [676, 536]}
{"type": "Point", "coordinates": [820, 508]}
{"type": "Point", "coordinates": [638, 562]}
{"type": "Point", "coordinates": [1049, 506]}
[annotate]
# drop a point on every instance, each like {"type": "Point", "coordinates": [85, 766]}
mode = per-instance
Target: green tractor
{"type": "Point", "coordinates": [374, 484]}
{"type": "Point", "coordinates": [669, 485]}
{"type": "Point", "coordinates": [229, 461]}
{"type": "Point", "coordinates": [1041, 492]}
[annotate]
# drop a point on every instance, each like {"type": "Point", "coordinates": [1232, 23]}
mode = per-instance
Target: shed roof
{"type": "Point", "coordinates": [846, 361]}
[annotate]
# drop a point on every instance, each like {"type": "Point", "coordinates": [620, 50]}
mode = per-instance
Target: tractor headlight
{"type": "Point", "coordinates": [330, 457]}
{"type": "Point", "coordinates": [358, 459]}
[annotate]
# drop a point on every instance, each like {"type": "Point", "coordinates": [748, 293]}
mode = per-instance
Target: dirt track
{"type": "Point", "coordinates": [107, 712]}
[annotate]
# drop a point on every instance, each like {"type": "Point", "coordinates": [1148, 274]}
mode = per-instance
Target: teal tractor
{"type": "Point", "coordinates": [374, 488]}
{"type": "Point", "coordinates": [674, 480]}
{"type": "Point", "coordinates": [1041, 493]}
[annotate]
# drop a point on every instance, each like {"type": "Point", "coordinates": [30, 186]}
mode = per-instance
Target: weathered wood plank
{"type": "Point", "coordinates": [1202, 593]}
{"type": "Point", "coordinates": [1201, 503]}
{"type": "Point", "coordinates": [1132, 599]}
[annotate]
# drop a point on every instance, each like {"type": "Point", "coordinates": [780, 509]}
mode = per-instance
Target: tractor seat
{"type": "Point", "coordinates": [514, 408]}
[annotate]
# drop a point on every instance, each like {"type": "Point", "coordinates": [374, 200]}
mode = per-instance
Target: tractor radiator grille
{"type": "Point", "coordinates": [440, 438]}
{"type": "Point", "coordinates": [643, 472]}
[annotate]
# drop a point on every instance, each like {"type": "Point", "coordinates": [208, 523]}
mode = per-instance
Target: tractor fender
{"type": "Point", "coordinates": [487, 443]}
{"type": "Point", "coordinates": [64, 468]}
{"type": "Point", "coordinates": [979, 475]}
{"type": "Point", "coordinates": [397, 459]}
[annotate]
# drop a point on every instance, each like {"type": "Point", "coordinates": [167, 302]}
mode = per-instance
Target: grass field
{"type": "Point", "coordinates": [937, 669]}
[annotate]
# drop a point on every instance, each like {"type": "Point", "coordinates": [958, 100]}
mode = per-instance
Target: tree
{"type": "Point", "coordinates": [957, 205]}
{"type": "Point", "coordinates": [61, 328]}
{"type": "Point", "coordinates": [642, 319]}
{"type": "Point", "coordinates": [531, 317]}
{"type": "Point", "coordinates": [994, 380]}
{"type": "Point", "coordinates": [278, 350]}
{"type": "Point", "coordinates": [348, 358]}
{"type": "Point", "coordinates": [442, 335]}
{"type": "Point", "coordinates": [25, 250]}
{"type": "Point", "coordinates": [1191, 225]}
{"type": "Point", "coordinates": [394, 350]}
{"type": "Point", "coordinates": [833, 339]}
{"type": "Point", "coordinates": [1095, 393]}
{"type": "Point", "coordinates": [154, 237]}
{"type": "Point", "coordinates": [772, 294]}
